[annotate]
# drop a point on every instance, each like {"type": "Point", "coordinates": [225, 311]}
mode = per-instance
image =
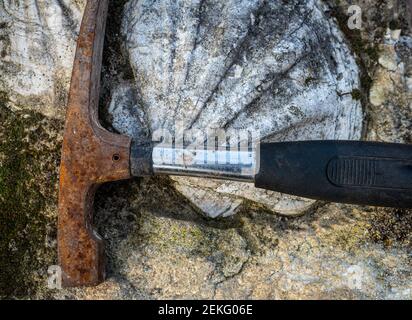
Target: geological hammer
{"type": "Point", "coordinates": [366, 173]}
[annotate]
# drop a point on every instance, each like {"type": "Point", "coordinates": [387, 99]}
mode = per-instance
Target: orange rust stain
{"type": "Point", "coordinates": [87, 158]}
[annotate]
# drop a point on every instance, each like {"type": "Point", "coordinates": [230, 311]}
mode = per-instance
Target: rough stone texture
{"type": "Point", "coordinates": [383, 50]}
{"type": "Point", "coordinates": [160, 245]}
{"type": "Point", "coordinates": [37, 42]}
{"type": "Point", "coordinates": [29, 162]}
{"type": "Point", "coordinates": [392, 90]}
{"type": "Point", "coordinates": [282, 71]}
{"type": "Point", "coordinates": [168, 251]}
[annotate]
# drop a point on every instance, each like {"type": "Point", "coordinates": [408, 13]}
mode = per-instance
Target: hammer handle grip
{"type": "Point", "coordinates": [366, 173]}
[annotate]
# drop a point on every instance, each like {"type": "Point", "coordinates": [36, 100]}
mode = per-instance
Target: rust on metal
{"type": "Point", "coordinates": [90, 156]}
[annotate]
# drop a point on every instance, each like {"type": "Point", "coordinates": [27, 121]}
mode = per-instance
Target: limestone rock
{"type": "Point", "coordinates": [218, 198]}
{"type": "Point", "coordinates": [282, 71]}
{"type": "Point", "coordinates": [37, 43]}
{"type": "Point", "coordinates": [336, 252]}
{"type": "Point", "coordinates": [391, 92]}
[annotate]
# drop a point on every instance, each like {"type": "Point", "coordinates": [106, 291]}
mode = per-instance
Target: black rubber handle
{"type": "Point", "coordinates": [368, 173]}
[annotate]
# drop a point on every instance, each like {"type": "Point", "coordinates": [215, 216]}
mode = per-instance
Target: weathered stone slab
{"type": "Point", "coordinates": [282, 71]}
{"type": "Point", "coordinates": [37, 43]}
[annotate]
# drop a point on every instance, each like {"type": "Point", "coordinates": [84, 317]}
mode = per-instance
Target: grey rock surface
{"type": "Point", "coordinates": [37, 42]}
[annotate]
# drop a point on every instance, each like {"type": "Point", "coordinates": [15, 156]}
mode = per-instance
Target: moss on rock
{"type": "Point", "coordinates": [392, 227]}
{"type": "Point", "coordinates": [29, 152]}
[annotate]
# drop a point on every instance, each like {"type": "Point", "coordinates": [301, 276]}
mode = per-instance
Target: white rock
{"type": "Point", "coordinates": [285, 73]}
{"type": "Point", "coordinates": [388, 58]}
{"type": "Point", "coordinates": [37, 41]}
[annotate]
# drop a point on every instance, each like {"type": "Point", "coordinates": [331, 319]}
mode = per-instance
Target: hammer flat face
{"type": "Point", "coordinates": [90, 156]}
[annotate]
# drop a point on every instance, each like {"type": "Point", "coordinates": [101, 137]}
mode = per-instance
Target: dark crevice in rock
{"type": "Point", "coordinates": [116, 67]}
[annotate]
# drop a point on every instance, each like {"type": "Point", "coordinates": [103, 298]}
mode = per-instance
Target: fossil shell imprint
{"type": "Point", "coordinates": [280, 69]}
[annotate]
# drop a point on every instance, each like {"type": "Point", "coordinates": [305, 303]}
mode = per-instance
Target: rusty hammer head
{"type": "Point", "coordinates": [90, 156]}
